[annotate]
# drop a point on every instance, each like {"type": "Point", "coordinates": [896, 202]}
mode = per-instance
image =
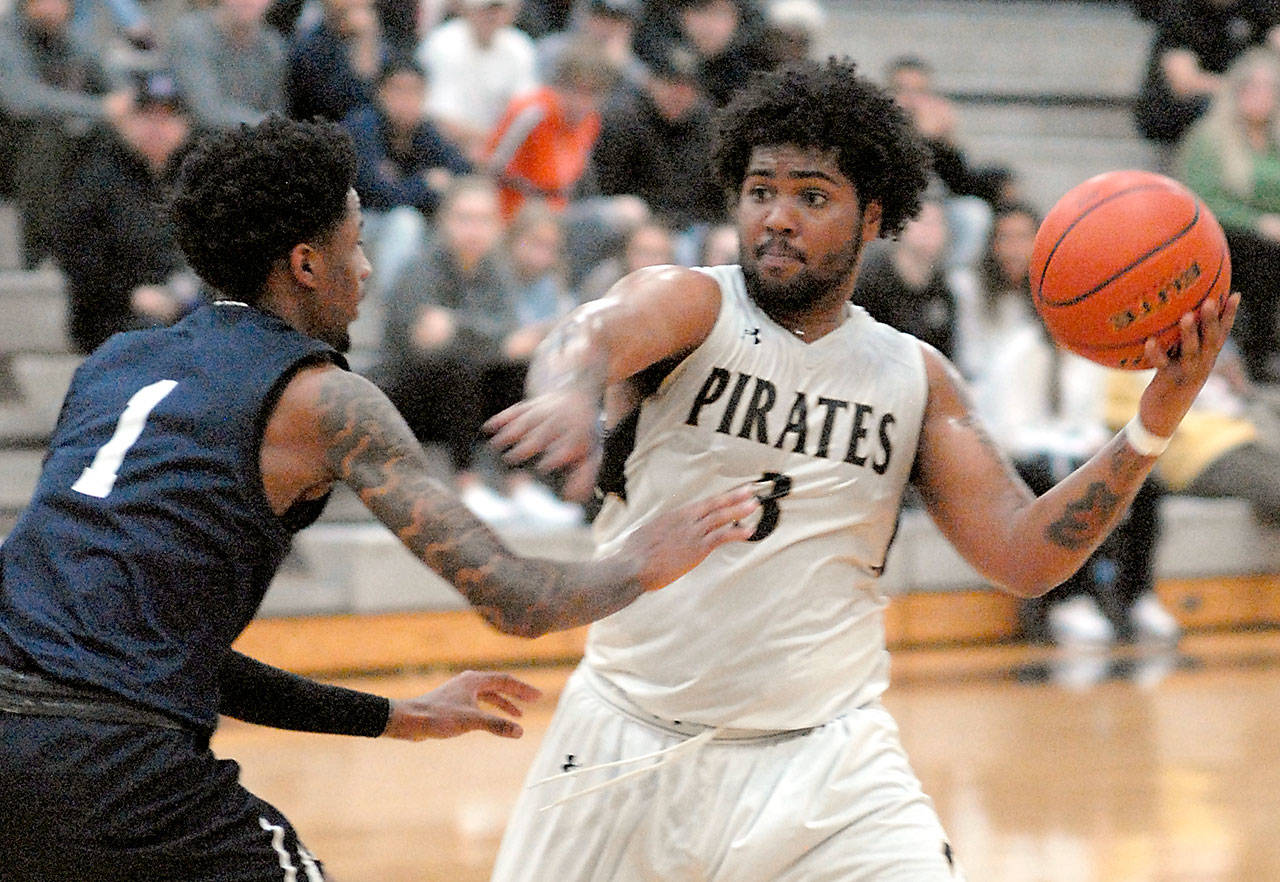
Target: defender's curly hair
{"type": "Point", "coordinates": [828, 106]}
{"type": "Point", "coordinates": [244, 198]}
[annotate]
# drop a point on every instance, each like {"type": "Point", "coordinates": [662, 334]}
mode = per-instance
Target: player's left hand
{"type": "Point", "coordinates": [1179, 377]}
{"type": "Point", "coordinates": [454, 708]}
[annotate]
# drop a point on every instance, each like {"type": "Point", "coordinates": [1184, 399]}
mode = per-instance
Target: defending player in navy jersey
{"type": "Point", "coordinates": [182, 464]}
{"type": "Point", "coordinates": [730, 728]}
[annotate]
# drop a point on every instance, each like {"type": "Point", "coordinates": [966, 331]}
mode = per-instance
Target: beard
{"type": "Point", "coordinates": [806, 287]}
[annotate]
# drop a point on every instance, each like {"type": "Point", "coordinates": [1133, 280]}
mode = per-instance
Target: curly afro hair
{"type": "Point", "coordinates": [828, 106]}
{"type": "Point", "coordinates": [244, 198]}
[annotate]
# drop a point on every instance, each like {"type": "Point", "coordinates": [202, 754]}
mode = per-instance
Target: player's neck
{"type": "Point", "coordinates": [812, 323]}
{"type": "Point", "coordinates": [289, 309]}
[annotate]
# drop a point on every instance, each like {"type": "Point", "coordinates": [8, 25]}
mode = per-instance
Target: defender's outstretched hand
{"type": "Point", "coordinates": [674, 542]}
{"type": "Point", "coordinates": [1178, 378]}
{"type": "Point", "coordinates": [561, 429]}
{"type": "Point", "coordinates": [454, 708]}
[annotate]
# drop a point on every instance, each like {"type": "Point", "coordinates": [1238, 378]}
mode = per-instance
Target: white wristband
{"type": "Point", "coordinates": [1142, 441]}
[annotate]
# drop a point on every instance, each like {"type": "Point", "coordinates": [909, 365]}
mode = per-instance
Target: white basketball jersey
{"type": "Point", "coordinates": [787, 631]}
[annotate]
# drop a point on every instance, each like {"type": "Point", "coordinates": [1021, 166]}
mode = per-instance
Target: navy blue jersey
{"type": "Point", "coordinates": [149, 542]}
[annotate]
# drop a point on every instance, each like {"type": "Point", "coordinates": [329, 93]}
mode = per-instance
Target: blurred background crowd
{"type": "Point", "coordinates": [517, 157]}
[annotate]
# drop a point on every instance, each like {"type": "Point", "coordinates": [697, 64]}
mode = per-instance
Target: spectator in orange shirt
{"type": "Point", "coordinates": [543, 142]}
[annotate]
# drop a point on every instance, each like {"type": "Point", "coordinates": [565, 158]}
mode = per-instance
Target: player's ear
{"type": "Point", "coordinates": [303, 261]}
{"type": "Point", "coordinates": [871, 216]}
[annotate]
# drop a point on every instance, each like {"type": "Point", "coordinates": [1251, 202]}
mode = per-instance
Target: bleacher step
{"type": "Point", "coordinates": [34, 309]}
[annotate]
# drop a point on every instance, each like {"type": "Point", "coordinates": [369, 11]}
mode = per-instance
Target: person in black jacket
{"type": "Point", "coordinates": [655, 143]}
{"type": "Point", "coordinates": [403, 166]}
{"type": "Point", "coordinates": [971, 192]}
{"type": "Point", "coordinates": [1195, 42]}
{"type": "Point", "coordinates": [401, 158]}
{"type": "Point", "coordinates": [123, 268]}
{"type": "Point", "coordinates": [332, 67]}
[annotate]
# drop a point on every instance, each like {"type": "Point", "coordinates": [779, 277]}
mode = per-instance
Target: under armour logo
{"type": "Point", "coordinates": [754, 334]}
{"type": "Point", "coordinates": [569, 763]}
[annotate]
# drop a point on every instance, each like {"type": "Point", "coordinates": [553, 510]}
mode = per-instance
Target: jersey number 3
{"type": "Point", "coordinates": [98, 479]}
{"type": "Point", "coordinates": [779, 486]}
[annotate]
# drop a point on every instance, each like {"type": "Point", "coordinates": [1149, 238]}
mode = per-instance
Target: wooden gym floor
{"type": "Point", "coordinates": [1128, 766]}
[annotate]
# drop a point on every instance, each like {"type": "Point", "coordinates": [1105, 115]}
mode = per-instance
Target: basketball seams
{"type": "Point", "coordinates": [1137, 262]}
{"type": "Point", "coordinates": [1087, 235]}
{"type": "Point", "coordinates": [1113, 347]}
{"type": "Point", "coordinates": [1080, 216]}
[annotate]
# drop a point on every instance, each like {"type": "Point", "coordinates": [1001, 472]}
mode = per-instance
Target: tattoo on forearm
{"type": "Point", "coordinates": [372, 450]}
{"type": "Point", "coordinates": [1125, 464]}
{"type": "Point", "coordinates": [1083, 518]}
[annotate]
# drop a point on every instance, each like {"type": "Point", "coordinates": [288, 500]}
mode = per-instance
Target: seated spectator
{"type": "Point", "coordinates": [655, 143]}
{"type": "Point", "coordinates": [791, 29]}
{"type": "Point", "coordinates": [123, 268]}
{"type": "Point", "coordinates": [970, 192]}
{"type": "Point", "coordinates": [477, 63]}
{"type": "Point", "coordinates": [404, 164]}
{"type": "Point", "coordinates": [725, 36]}
{"type": "Point", "coordinates": [535, 245]}
{"type": "Point", "coordinates": [1231, 158]}
{"type": "Point", "coordinates": [719, 246]}
{"type": "Point", "coordinates": [1045, 407]}
{"type": "Point", "coordinates": [649, 244]}
{"type": "Point", "coordinates": [128, 18]}
{"type": "Point", "coordinates": [52, 88]}
{"type": "Point", "coordinates": [332, 67]}
{"type": "Point", "coordinates": [541, 146]}
{"type": "Point", "coordinates": [542, 18]}
{"type": "Point", "coordinates": [1225, 447]}
{"type": "Point", "coordinates": [1195, 41]}
{"type": "Point", "coordinates": [229, 63]}
{"type": "Point", "coordinates": [452, 324]}
{"type": "Point", "coordinates": [608, 24]}
{"type": "Point", "coordinates": [904, 282]}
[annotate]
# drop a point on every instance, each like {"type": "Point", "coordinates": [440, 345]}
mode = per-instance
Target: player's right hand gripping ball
{"type": "Point", "coordinates": [1119, 259]}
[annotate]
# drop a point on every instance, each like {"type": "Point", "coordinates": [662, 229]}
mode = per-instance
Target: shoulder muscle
{"type": "Point", "coordinates": [653, 314]}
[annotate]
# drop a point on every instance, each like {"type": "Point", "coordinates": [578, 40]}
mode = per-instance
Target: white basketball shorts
{"type": "Point", "coordinates": [679, 802]}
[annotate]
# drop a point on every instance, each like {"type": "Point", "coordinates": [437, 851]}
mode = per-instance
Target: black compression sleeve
{"type": "Point", "coordinates": [258, 693]}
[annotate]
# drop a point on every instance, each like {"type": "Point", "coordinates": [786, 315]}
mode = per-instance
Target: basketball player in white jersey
{"type": "Point", "coordinates": [729, 727]}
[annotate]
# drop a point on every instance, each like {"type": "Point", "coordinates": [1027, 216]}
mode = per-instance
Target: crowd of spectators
{"type": "Point", "coordinates": [517, 157]}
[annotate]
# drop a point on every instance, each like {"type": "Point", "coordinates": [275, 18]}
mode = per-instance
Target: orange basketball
{"type": "Point", "coordinates": [1119, 259]}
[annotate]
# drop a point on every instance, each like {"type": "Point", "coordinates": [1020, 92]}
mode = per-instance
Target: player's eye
{"type": "Point", "coordinates": [758, 193]}
{"type": "Point", "coordinates": [814, 198]}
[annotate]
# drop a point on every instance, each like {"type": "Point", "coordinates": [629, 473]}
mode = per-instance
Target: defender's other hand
{"type": "Point", "coordinates": [454, 708]}
{"type": "Point", "coordinates": [676, 541]}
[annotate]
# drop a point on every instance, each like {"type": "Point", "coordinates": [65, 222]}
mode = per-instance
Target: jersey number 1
{"type": "Point", "coordinates": [98, 479]}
